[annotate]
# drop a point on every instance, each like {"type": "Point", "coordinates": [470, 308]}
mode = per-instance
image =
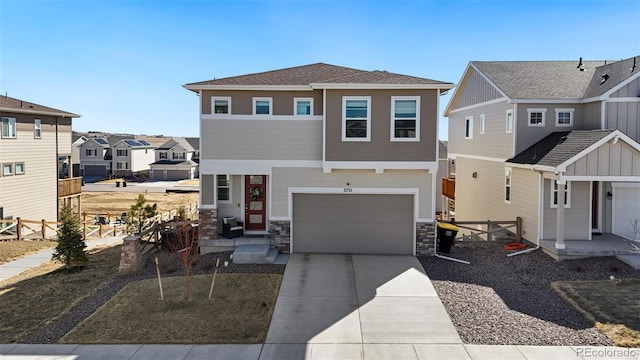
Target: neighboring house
{"type": "Point", "coordinates": [441, 203]}
{"type": "Point", "coordinates": [76, 141]}
{"type": "Point", "coordinates": [322, 158]}
{"type": "Point", "coordinates": [554, 142]}
{"type": "Point", "coordinates": [176, 159]}
{"type": "Point", "coordinates": [131, 157]}
{"type": "Point", "coordinates": [95, 158]}
{"type": "Point", "coordinates": [33, 139]}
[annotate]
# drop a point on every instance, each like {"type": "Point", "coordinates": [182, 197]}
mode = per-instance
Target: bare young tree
{"type": "Point", "coordinates": [182, 240]}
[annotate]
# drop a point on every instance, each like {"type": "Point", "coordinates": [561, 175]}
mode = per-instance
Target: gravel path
{"type": "Point", "coordinates": [51, 333]}
{"type": "Point", "coordinates": [500, 300]}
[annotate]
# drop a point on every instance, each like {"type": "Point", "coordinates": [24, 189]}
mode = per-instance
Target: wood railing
{"type": "Point", "coordinates": [69, 187]}
{"type": "Point", "coordinates": [487, 229]}
{"type": "Point", "coordinates": [449, 187]}
{"type": "Point", "coordinates": [20, 229]}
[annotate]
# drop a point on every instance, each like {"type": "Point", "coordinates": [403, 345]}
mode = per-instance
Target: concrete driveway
{"type": "Point", "coordinates": [358, 299]}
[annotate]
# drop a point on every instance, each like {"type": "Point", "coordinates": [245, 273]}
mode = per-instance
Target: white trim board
{"type": "Point", "coordinates": [471, 107]}
{"type": "Point", "coordinates": [235, 117]}
{"type": "Point", "coordinates": [380, 166]}
{"type": "Point", "coordinates": [475, 157]}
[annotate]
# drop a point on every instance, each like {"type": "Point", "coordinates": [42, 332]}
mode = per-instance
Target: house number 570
{"type": "Point", "coordinates": [348, 190]}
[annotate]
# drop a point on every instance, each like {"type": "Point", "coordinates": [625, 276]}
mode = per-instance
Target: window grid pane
{"type": "Point", "coordinates": [303, 108]}
{"type": "Point", "coordinates": [535, 118]}
{"type": "Point", "coordinates": [356, 109]}
{"type": "Point", "coordinates": [221, 107]}
{"type": "Point", "coordinates": [262, 107]}
{"type": "Point", "coordinates": [405, 109]}
{"type": "Point", "coordinates": [405, 128]}
{"type": "Point", "coordinates": [356, 128]}
{"type": "Point", "coordinates": [564, 118]}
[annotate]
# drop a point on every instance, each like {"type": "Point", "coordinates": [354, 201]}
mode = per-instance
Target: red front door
{"type": "Point", "coordinates": [255, 202]}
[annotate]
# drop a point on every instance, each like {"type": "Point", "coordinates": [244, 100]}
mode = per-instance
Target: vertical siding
{"type": "Point", "coordinates": [529, 135]}
{"type": "Point", "coordinates": [576, 218]}
{"type": "Point", "coordinates": [495, 142]}
{"type": "Point", "coordinates": [474, 90]}
{"type": "Point", "coordinates": [632, 89]}
{"type": "Point", "coordinates": [261, 139]}
{"type": "Point", "coordinates": [482, 198]}
{"type": "Point", "coordinates": [283, 178]}
{"type": "Point", "coordinates": [607, 160]}
{"type": "Point", "coordinates": [624, 116]}
{"type": "Point", "coordinates": [242, 101]}
{"type": "Point", "coordinates": [592, 115]}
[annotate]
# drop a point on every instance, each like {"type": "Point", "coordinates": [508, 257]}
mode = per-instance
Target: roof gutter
{"type": "Point", "coordinates": [37, 112]}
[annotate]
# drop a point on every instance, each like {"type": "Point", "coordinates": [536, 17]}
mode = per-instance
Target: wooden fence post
{"type": "Point", "coordinates": [44, 229]}
{"type": "Point", "coordinates": [100, 230]}
{"type": "Point", "coordinates": [84, 230]}
{"type": "Point", "coordinates": [19, 228]}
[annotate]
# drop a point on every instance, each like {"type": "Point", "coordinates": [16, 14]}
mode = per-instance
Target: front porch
{"type": "Point", "coordinates": [606, 244]}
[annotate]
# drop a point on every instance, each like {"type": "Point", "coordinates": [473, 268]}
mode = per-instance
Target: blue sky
{"type": "Point", "coordinates": [121, 64]}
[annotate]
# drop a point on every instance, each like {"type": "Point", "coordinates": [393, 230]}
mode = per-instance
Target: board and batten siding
{"type": "Point", "coordinates": [529, 135]}
{"type": "Point", "coordinates": [592, 115]}
{"type": "Point", "coordinates": [624, 116]}
{"type": "Point", "coordinates": [242, 101]}
{"type": "Point", "coordinates": [381, 148]}
{"type": "Point", "coordinates": [284, 178]}
{"type": "Point", "coordinates": [576, 218]}
{"type": "Point", "coordinates": [609, 159]}
{"type": "Point", "coordinates": [476, 90]}
{"type": "Point", "coordinates": [261, 139]}
{"type": "Point", "coordinates": [32, 195]}
{"type": "Point", "coordinates": [632, 89]}
{"type": "Point", "coordinates": [483, 197]}
{"type": "Point", "coordinates": [495, 142]}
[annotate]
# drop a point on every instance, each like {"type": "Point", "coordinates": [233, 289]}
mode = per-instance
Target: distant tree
{"type": "Point", "coordinates": [70, 248]}
{"type": "Point", "coordinates": [140, 215]}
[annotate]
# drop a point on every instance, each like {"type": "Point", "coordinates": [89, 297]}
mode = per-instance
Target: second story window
{"type": "Point", "coordinates": [262, 106]}
{"type": "Point", "coordinates": [8, 127]}
{"type": "Point", "coordinates": [179, 156]}
{"type": "Point", "coordinates": [536, 117]}
{"type": "Point", "coordinates": [122, 152]}
{"type": "Point", "coordinates": [162, 155]}
{"type": "Point", "coordinates": [468, 127]}
{"type": "Point", "coordinates": [564, 117]}
{"type": "Point", "coordinates": [509, 126]}
{"type": "Point", "coordinates": [356, 118]}
{"type": "Point", "coordinates": [405, 113]}
{"type": "Point", "coordinates": [303, 106]}
{"type": "Point", "coordinates": [37, 129]}
{"type": "Point", "coordinates": [91, 152]}
{"type": "Point", "coordinates": [221, 105]}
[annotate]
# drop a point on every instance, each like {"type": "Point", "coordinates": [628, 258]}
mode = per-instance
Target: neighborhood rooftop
{"type": "Point", "coordinates": [20, 106]}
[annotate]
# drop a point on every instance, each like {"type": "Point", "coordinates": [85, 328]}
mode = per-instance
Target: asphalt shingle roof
{"type": "Point", "coordinates": [8, 103]}
{"type": "Point", "coordinates": [558, 147]}
{"type": "Point", "coordinates": [617, 72]}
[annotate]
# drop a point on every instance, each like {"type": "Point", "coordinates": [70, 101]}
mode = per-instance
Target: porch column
{"type": "Point", "coordinates": [560, 214]}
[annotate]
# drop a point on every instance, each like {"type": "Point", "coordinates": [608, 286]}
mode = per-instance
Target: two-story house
{"type": "Point", "coordinates": [76, 141]}
{"type": "Point", "coordinates": [322, 158]}
{"type": "Point", "coordinates": [32, 140]}
{"type": "Point", "coordinates": [131, 157]}
{"type": "Point", "coordinates": [555, 142]}
{"type": "Point", "coordinates": [176, 159]}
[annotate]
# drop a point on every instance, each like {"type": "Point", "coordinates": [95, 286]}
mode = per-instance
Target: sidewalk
{"type": "Point", "coordinates": [16, 267]}
{"type": "Point", "coordinates": [313, 352]}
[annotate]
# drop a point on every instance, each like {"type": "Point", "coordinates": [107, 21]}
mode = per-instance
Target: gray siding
{"type": "Point", "coordinates": [475, 90]}
{"type": "Point", "coordinates": [242, 101]}
{"type": "Point", "coordinates": [624, 116]}
{"type": "Point", "coordinates": [576, 219]}
{"type": "Point", "coordinates": [442, 172]}
{"type": "Point", "coordinates": [261, 139]}
{"type": "Point", "coordinates": [592, 115]}
{"type": "Point", "coordinates": [529, 135]}
{"type": "Point", "coordinates": [483, 197]}
{"type": "Point", "coordinates": [234, 206]}
{"type": "Point", "coordinates": [632, 89]}
{"type": "Point", "coordinates": [495, 142]}
{"type": "Point", "coordinates": [607, 160]}
{"type": "Point", "coordinates": [207, 196]}
{"type": "Point", "coordinates": [283, 178]}
{"type": "Point", "coordinates": [380, 148]}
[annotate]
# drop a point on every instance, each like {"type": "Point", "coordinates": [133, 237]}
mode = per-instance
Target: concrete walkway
{"type": "Point", "coordinates": [16, 267]}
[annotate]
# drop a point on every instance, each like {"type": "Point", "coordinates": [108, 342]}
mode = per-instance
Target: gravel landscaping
{"type": "Point", "coordinates": [509, 301]}
{"type": "Point", "coordinates": [51, 333]}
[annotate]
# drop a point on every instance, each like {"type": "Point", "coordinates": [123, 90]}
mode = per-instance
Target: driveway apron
{"type": "Point", "coordinates": [358, 299]}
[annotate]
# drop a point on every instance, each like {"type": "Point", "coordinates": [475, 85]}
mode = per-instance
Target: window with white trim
{"type": "Point", "coordinates": [37, 129]}
{"type": "Point", "coordinates": [7, 169]}
{"type": "Point", "coordinates": [262, 105]}
{"type": "Point", "coordinates": [91, 152]}
{"type": "Point", "coordinates": [482, 123]}
{"type": "Point", "coordinates": [8, 127]}
{"type": "Point", "coordinates": [554, 194]}
{"type": "Point", "coordinates": [162, 155]}
{"type": "Point", "coordinates": [179, 156]}
{"type": "Point", "coordinates": [509, 121]}
{"type": "Point", "coordinates": [224, 188]}
{"type": "Point", "coordinates": [536, 117]}
{"type": "Point", "coordinates": [507, 185]}
{"type": "Point", "coordinates": [405, 118]}
{"type": "Point", "coordinates": [122, 165]}
{"type": "Point", "coordinates": [221, 105]}
{"type": "Point", "coordinates": [302, 106]}
{"type": "Point", "coordinates": [468, 127]}
{"type": "Point", "coordinates": [122, 152]}
{"type": "Point", "coordinates": [19, 168]}
{"type": "Point", "coordinates": [564, 117]}
{"type": "Point", "coordinates": [356, 118]}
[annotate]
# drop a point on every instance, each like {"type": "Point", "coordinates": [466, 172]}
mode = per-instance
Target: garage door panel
{"type": "Point", "coordinates": [357, 224]}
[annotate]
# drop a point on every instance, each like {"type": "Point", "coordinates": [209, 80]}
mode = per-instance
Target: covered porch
{"type": "Point", "coordinates": [606, 244]}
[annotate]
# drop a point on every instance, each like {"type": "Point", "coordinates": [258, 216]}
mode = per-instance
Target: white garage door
{"type": "Point", "coordinates": [353, 224]}
{"type": "Point", "coordinates": [626, 209]}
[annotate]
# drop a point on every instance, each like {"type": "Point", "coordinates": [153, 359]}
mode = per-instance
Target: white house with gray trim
{"type": "Point", "coordinates": [322, 158]}
{"type": "Point", "coordinates": [176, 159]}
{"type": "Point", "coordinates": [524, 134]}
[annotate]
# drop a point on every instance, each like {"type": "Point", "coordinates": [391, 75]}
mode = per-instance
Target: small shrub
{"type": "Point", "coordinates": [70, 248]}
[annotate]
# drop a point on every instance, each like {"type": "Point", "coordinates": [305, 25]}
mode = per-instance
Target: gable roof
{"type": "Point", "coordinates": [442, 149]}
{"type": "Point", "coordinates": [194, 142]}
{"type": "Point", "coordinates": [319, 73]}
{"type": "Point", "coordinates": [176, 140]}
{"type": "Point", "coordinates": [616, 72]}
{"type": "Point", "coordinates": [558, 147]}
{"type": "Point", "coordinates": [10, 104]}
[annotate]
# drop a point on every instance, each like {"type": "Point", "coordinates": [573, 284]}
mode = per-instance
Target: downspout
{"type": "Point", "coordinates": [540, 201]}
{"type": "Point", "coordinates": [57, 175]}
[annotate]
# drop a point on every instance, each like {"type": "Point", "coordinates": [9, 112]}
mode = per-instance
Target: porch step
{"type": "Point", "coordinates": [632, 259]}
{"type": "Point", "coordinates": [271, 256]}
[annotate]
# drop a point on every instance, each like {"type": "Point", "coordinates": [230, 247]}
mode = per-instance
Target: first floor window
{"type": "Point", "coordinates": [507, 186]}
{"type": "Point", "coordinates": [564, 117]}
{"type": "Point", "coordinates": [8, 127]}
{"type": "Point", "coordinates": [303, 106]}
{"type": "Point", "coordinates": [221, 105]}
{"type": "Point", "coordinates": [468, 127]}
{"type": "Point", "coordinates": [536, 117]}
{"type": "Point", "coordinates": [19, 168]}
{"type": "Point", "coordinates": [224, 188]}
{"type": "Point", "coordinates": [37, 128]}
{"type": "Point", "coordinates": [567, 194]}
{"type": "Point", "coordinates": [509, 126]}
{"type": "Point", "coordinates": [261, 106]}
{"type": "Point", "coordinates": [122, 165]}
{"type": "Point", "coordinates": [7, 169]}
{"type": "Point", "coordinates": [405, 114]}
{"type": "Point", "coordinates": [356, 118]}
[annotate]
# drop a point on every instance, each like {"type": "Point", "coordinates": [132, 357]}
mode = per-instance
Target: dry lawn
{"type": "Point", "coordinates": [13, 249]}
{"type": "Point", "coordinates": [40, 295]}
{"type": "Point", "coordinates": [116, 203]}
{"type": "Point", "coordinates": [239, 312]}
{"type": "Point", "coordinates": [613, 305]}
